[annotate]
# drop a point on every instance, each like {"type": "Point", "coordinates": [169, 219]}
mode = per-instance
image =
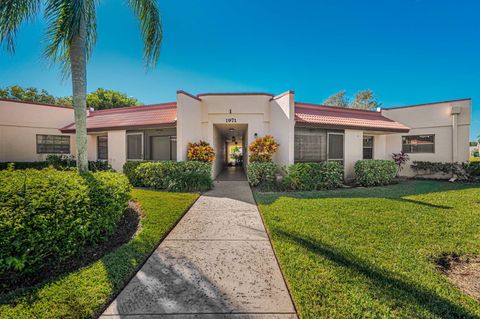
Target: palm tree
{"type": "Point", "coordinates": [70, 37]}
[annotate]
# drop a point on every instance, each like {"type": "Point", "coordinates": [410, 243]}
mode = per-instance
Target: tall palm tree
{"type": "Point", "coordinates": [70, 37]}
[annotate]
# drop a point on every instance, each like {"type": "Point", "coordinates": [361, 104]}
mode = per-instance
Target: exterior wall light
{"type": "Point", "coordinates": [255, 135]}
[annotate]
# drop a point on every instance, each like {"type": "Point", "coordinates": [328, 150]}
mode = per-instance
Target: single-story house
{"type": "Point", "coordinates": [306, 132]}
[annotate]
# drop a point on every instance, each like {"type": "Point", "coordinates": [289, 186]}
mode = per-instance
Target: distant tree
{"type": "Point", "coordinates": [29, 94]}
{"type": "Point", "coordinates": [100, 99]}
{"type": "Point", "coordinates": [108, 99]}
{"type": "Point", "coordinates": [338, 99]}
{"type": "Point", "coordinates": [365, 100]}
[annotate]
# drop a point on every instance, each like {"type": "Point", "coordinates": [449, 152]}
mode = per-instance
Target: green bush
{"type": "Point", "coordinates": [130, 170]}
{"type": "Point", "coordinates": [175, 176]}
{"type": "Point", "coordinates": [375, 172]}
{"type": "Point", "coordinates": [463, 171]}
{"type": "Point", "coordinates": [47, 216]}
{"type": "Point", "coordinates": [60, 162]}
{"type": "Point", "coordinates": [314, 176]}
{"type": "Point", "coordinates": [261, 173]}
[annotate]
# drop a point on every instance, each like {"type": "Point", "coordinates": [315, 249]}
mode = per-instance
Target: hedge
{"type": "Point", "coordinates": [59, 162]}
{"type": "Point", "coordinates": [47, 216]}
{"type": "Point", "coordinates": [262, 173]}
{"type": "Point", "coordinates": [130, 170]}
{"type": "Point", "coordinates": [314, 176]}
{"type": "Point", "coordinates": [463, 171]}
{"type": "Point", "coordinates": [375, 172]}
{"type": "Point", "coordinates": [174, 176]}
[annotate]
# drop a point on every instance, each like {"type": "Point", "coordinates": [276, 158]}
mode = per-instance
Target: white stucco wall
{"type": "Point", "coordinates": [282, 126]}
{"type": "Point", "coordinates": [117, 149]}
{"type": "Point", "coordinates": [353, 151]}
{"type": "Point", "coordinates": [20, 123]}
{"type": "Point", "coordinates": [434, 119]}
{"type": "Point", "coordinates": [189, 123]}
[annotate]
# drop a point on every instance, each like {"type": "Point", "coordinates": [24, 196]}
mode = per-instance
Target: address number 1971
{"type": "Point", "coordinates": [231, 120]}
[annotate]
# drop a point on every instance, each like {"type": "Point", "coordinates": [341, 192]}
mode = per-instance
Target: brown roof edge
{"type": "Point", "coordinates": [132, 108]}
{"type": "Point", "coordinates": [66, 129]}
{"type": "Point", "coordinates": [238, 93]}
{"type": "Point", "coordinates": [312, 105]}
{"type": "Point", "coordinates": [282, 94]}
{"type": "Point", "coordinates": [423, 104]}
{"type": "Point", "coordinates": [352, 127]}
{"type": "Point", "coordinates": [37, 103]}
{"type": "Point", "coordinates": [189, 95]}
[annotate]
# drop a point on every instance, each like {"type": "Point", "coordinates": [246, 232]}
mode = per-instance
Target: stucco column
{"type": "Point", "coordinates": [117, 149]}
{"type": "Point", "coordinates": [282, 126]}
{"type": "Point", "coordinates": [455, 112]}
{"type": "Point", "coordinates": [189, 122]}
{"type": "Point", "coordinates": [353, 151]}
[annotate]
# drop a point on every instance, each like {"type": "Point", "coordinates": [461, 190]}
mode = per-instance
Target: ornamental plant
{"type": "Point", "coordinates": [201, 151]}
{"type": "Point", "coordinates": [400, 160]}
{"type": "Point", "coordinates": [262, 149]}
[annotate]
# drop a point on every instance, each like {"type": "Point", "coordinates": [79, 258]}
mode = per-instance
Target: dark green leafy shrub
{"type": "Point", "coordinates": [261, 173]}
{"type": "Point", "coordinates": [314, 176]}
{"type": "Point", "coordinates": [463, 171]}
{"type": "Point", "coordinates": [130, 170]}
{"type": "Point", "coordinates": [60, 162]}
{"type": "Point", "coordinates": [47, 216]}
{"type": "Point", "coordinates": [175, 176]}
{"type": "Point", "coordinates": [375, 172]}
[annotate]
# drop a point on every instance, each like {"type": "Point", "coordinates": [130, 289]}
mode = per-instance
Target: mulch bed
{"type": "Point", "coordinates": [127, 227]}
{"type": "Point", "coordinates": [463, 271]}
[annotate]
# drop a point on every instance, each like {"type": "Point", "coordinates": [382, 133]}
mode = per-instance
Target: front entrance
{"type": "Point", "coordinates": [230, 144]}
{"type": "Point", "coordinates": [232, 174]}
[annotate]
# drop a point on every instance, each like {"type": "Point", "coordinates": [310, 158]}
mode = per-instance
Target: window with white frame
{"type": "Point", "coordinates": [310, 144]}
{"type": "Point", "coordinates": [134, 146]}
{"type": "Point", "coordinates": [335, 146]}
{"type": "Point", "coordinates": [418, 143]}
{"type": "Point", "coordinates": [53, 144]}
{"type": "Point", "coordinates": [102, 147]}
{"type": "Point", "coordinates": [367, 147]}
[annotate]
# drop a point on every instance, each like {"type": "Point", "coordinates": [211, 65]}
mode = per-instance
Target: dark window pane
{"type": "Point", "coordinates": [418, 144]}
{"type": "Point", "coordinates": [134, 146]}
{"type": "Point", "coordinates": [102, 147]}
{"type": "Point", "coordinates": [310, 145]}
{"type": "Point", "coordinates": [335, 146]}
{"type": "Point", "coordinates": [368, 147]}
{"type": "Point", "coordinates": [53, 144]}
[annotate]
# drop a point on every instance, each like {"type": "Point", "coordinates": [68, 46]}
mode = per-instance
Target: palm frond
{"type": "Point", "coordinates": [148, 14]}
{"type": "Point", "coordinates": [12, 14]}
{"type": "Point", "coordinates": [64, 19]}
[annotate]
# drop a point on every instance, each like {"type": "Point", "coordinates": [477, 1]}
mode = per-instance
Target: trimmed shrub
{"type": "Point", "coordinates": [201, 152]}
{"type": "Point", "coordinates": [130, 170]}
{"type": "Point", "coordinates": [314, 176]}
{"type": "Point", "coordinates": [463, 171]}
{"type": "Point", "coordinates": [261, 173]}
{"type": "Point", "coordinates": [175, 176]}
{"type": "Point", "coordinates": [375, 172]}
{"type": "Point", "coordinates": [60, 162]}
{"type": "Point", "coordinates": [47, 216]}
{"type": "Point", "coordinates": [262, 149]}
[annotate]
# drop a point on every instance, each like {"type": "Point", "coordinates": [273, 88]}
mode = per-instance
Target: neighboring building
{"type": "Point", "coordinates": [306, 132]}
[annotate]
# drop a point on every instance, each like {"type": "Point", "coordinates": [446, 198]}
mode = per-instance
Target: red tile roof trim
{"type": "Point", "coordinates": [244, 93]}
{"type": "Point", "coordinates": [336, 117]}
{"type": "Point", "coordinates": [156, 115]}
{"type": "Point", "coordinates": [189, 95]}
{"type": "Point", "coordinates": [38, 103]}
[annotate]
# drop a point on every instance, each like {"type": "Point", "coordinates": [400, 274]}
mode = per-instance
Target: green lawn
{"type": "Point", "coordinates": [370, 252]}
{"type": "Point", "coordinates": [83, 293]}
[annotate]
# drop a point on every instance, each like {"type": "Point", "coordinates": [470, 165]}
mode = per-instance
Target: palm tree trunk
{"type": "Point", "coordinates": [78, 60]}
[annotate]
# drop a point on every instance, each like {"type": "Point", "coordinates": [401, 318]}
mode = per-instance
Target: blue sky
{"type": "Point", "coordinates": [406, 51]}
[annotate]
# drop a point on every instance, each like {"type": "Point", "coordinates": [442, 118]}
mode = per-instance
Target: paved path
{"type": "Point", "coordinates": [216, 263]}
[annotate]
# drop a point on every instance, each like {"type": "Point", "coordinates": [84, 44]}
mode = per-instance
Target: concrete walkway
{"type": "Point", "coordinates": [216, 263]}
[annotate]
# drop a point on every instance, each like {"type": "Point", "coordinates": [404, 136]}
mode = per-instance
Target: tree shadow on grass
{"type": "Point", "coordinates": [392, 287]}
{"type": "Point", "coordinates": [396, 192]}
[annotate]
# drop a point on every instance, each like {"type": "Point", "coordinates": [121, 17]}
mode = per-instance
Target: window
{"type": "Point", "coordinates": [173, 148]}
{"type": "Point", "coordinates": [53, 144]}
{"type": "Point", "coordinates": [335, 146]}
{"type": "Point", "coordinates": [102, 147]}
{"type": "Point", "coordinates": [368, 147]}
{"type": "Point", "coordinates": [418, 144]}
{"type": "Point", "coordinates": [310, 145]}
{"type": "Point", "coordinates": [134, 146]}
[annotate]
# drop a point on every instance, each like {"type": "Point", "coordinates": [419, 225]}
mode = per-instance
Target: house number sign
{"type": "Point", "coordinates": [231, 120]}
